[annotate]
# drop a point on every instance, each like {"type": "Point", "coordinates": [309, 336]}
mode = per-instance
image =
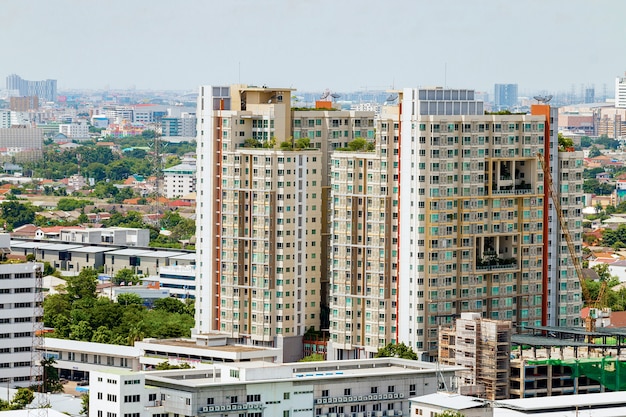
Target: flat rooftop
{"type": "Point", "coordinates": [192, 345]}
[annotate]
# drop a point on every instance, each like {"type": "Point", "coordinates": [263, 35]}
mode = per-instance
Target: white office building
{"type": "Point", "coordinates": [373, 387]}
{"type": "Point", "coordinates": [18, 313]}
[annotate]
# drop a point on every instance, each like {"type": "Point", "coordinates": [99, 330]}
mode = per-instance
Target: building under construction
{"type": "Point", "coordinates": [547, 361]}
{"type": "Point", "coordinates": [552, 361]}
{"type": "Point", "coordinates": [484, 347]}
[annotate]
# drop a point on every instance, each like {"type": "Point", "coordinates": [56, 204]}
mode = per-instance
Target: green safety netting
{"type": "Point", "coordinates": [608, 371]}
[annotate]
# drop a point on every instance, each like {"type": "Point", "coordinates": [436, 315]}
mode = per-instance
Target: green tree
{"type": "Point", "coordinates": [594, 152]}
{"type": "Point", "coordinates": [81, 331]}
{"type": "Point", "coordinates": [125, 275]}
{"type": "Point", "coordinates": [84, 402]}
{"type": "Point", "coordinates": [16, 214]}
{"type": "Point", "coordinates": [69, 204]}
{"type": "Point", "coordinates": [82, 285]}
{"type": "Point", "coordinates": [170, 305]}
{"type": "Point", "coordinates": [51, 381]}
{"type": "Point", "coordinates": [127, 299]}
{"type": "Point", "coordinates": [585, 141]}
{"type": "Point", "coordinates": [22, 398]}
{"type": "Point", "coordinates": [392, 350]}
{"type": "Point", "coordinates": [565, 143]}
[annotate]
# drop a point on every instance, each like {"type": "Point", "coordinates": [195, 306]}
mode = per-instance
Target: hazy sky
{"type": "Point", "coordinates": [344, 45]}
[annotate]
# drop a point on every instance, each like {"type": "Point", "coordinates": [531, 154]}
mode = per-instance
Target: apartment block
{"type": "Point", "coordinates": [180, 179]}
{"type": "Point", "coordinates": [474, 216]}
{"type": "Point", "coordinates": [263, 210]}
{"type": "Point", "coordinates": [463, 191]}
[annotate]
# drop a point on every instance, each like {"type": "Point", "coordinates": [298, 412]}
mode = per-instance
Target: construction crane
{"type": "Point", "coordinates": [589, 302]}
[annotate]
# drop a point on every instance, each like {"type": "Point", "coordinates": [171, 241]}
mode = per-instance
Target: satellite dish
{"type": "Point", "coordinates": [391, 98]}
{"type": "Point", "coordinates": [335, 95]}
{"type": "Point", "coordinates": [543, 99]}
{"type": "Point", "coordinates": [325, 95]}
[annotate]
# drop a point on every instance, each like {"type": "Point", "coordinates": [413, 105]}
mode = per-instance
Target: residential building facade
{"type": "Point", "coordinates": [180, 179]}
{"type": "Point", "coordinates": [475, 231]}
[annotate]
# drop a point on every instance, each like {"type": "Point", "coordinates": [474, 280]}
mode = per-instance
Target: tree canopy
{"type": "Point", "coordinates": [79, 314]}
{"type": "Point", "coordinates": [393, 350]}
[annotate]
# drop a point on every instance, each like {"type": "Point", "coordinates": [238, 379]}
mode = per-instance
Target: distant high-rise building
{"type": "Point", "coordinates": [46, 90]}
{"type": "Point", "coordinates": [24, 103]}
{"type": "Point", "coordinates": [620, 92]}
{"type": "Point", "coordinates": [505, 96]}
{"type": "Point", "coordinates": [590, 95]}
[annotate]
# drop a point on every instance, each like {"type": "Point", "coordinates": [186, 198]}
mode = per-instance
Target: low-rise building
{"type": "Point", "coordinates": [373, 387]}
{"type": "Point", "coordinates": [180, 180]}
{"type": "Point", "coordinates": [122, 236]}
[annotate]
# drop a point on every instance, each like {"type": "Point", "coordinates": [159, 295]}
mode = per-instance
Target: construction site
{"type": "Point", "coordinates": [546, 361]}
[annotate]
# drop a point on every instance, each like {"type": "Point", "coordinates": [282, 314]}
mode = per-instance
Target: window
{"type": "Point", "coordinates": [347, 391]}
{"type": "Point", "coordinates": [391, 388]}
{"type": "Point", "coordinates": [132, 398]}
{"type": "Point", "coordinates": [112, 398]}
{"type": "Point", "coordinates": [99, 395]}
{"type": "Point", "coordinates": [325, 393]}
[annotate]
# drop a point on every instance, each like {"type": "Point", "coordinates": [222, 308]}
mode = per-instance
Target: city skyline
{"type": "Point", "coordinates": [432, 44]}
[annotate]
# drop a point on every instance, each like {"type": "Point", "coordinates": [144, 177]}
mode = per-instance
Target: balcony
{"type": "Point", "coordinates": [494, 263]}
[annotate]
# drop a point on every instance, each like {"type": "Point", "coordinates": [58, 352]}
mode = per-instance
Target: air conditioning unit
{"type": "Point", "coordinates": [385, 396]}
{"type": "Point", "coordinates": [379, 414]}
{"type": "Point", "coordinates": [396, 395]}
{"type": "Point", "coordinates": [391, 413]}
{"type": "Point", "coordinates": [325, 400]}
{"type": "Point", "coordinates": [228, 407]}
{"type": "Point", "coordinates": [370, 397]}
{"type": "Point", "coordinates": [205, 409]}
{"type": "Point", "coordinates": [399, 412]}
{"type": "Point", "coordinates": [318, 401]}
{"type": "Point", "coordinates": [401, 395]}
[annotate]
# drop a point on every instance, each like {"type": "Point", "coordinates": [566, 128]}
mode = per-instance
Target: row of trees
{"type": "Point", "coordinates": [79, 314]}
